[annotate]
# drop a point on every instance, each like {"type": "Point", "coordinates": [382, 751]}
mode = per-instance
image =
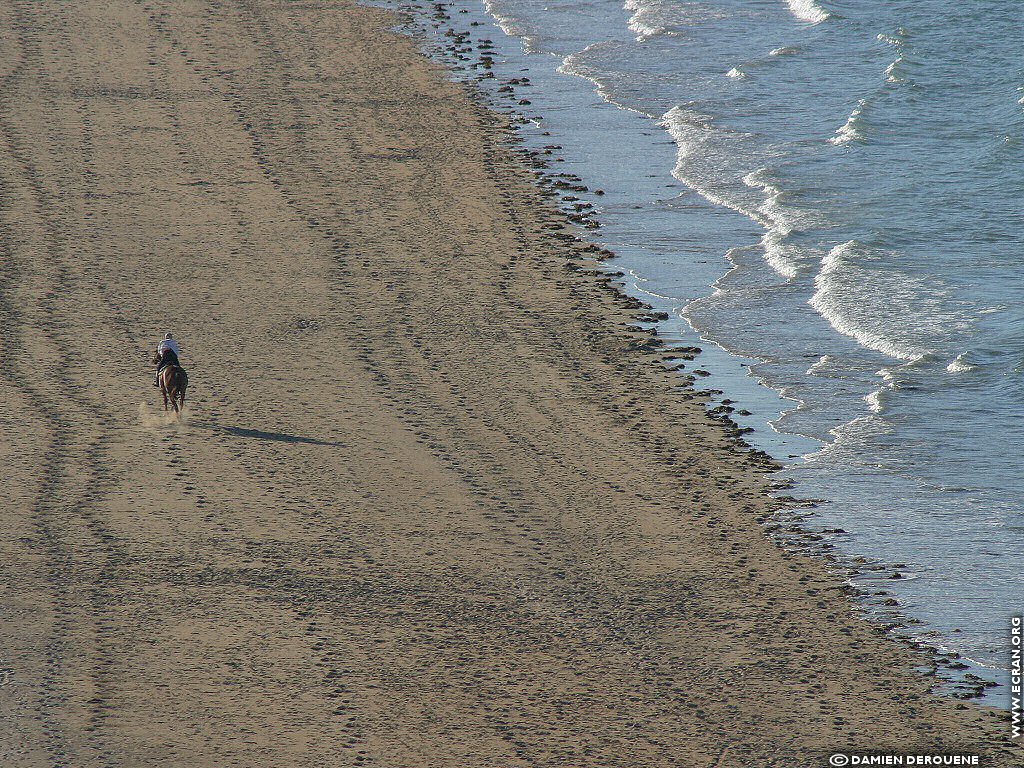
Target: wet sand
{"type": "Point", "coordinates": [433, 504]}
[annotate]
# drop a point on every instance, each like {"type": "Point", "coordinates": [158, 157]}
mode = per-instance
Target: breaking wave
{"type": "Point", "coordinates": [853, 130]}
{"type": "Point", "coordinates": [808, 10]}
{"type": "Point", "coordinates": [665, 17]}
{"type": "Point", "coordinates": [884, 309]}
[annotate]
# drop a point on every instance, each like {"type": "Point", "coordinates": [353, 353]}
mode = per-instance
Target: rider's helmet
{"type": "Point", "coordinates": [168, 335]}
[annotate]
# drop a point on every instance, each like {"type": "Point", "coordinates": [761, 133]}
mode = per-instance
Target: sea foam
{"type": "Point", "coordinates": [876, 399]}
{"type": "Point", "coordinates": [779, 222]}
{"type": "Point", "coordinates": [960, 365]}
{"type": "Point", "coordinates": [579, 65]}
{"type": "Point", "coordinates": [808, 10]}
{"type": "Point", "coordinates": [853, 130]}
{"type": "Point", "coordinates": [848, 440]}
{"type": "Point", "coordinates": [698, 138]}
{"type": "Point", "coordinates": [694, 135]}
{"type": "Point", "coordinates": [895, 72]}
{"type": "Point", "coordinates": [884, 309]}
{"type": "Point", "coordinates": [665, 17]}
{"type": "Point", "coordinates": [507, 24]}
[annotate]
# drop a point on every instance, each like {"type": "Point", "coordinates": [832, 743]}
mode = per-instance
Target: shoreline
{"type": "Point", "coordinates": [877, 469]}
{"type": "Point", "coordinates": [499, 78]}
{"type": "Point", "coordinates": [399, 527]}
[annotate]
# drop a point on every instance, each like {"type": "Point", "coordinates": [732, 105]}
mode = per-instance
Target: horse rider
{"type": "Point", "coordinates": [167, 354]}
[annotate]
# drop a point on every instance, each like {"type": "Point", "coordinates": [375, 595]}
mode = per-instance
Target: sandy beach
{"type": "Point", "coordinates": [433, 502]}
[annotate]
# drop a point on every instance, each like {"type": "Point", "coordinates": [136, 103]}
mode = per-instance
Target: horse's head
{"type": "Point", "coordinates": [156, 359]}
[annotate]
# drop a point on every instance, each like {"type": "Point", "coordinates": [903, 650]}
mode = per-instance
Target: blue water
{"type": "Point", "coordinates": [829, 196]}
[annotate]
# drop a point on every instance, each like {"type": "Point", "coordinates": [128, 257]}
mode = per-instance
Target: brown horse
{"type": "Point", "coordinates": [173, 383]}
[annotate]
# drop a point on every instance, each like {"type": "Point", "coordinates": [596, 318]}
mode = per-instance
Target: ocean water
{"type": "Point", "coordinates": [828, 197]}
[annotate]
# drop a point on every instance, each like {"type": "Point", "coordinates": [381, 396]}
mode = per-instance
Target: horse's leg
{"type": "Point", "coordinates": [182, 395]}
{"type": "Point", "coordinates": [163, 391]}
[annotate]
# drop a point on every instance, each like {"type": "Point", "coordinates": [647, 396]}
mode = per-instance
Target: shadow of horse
{"type": "Point", "coordinates": [278, 437]}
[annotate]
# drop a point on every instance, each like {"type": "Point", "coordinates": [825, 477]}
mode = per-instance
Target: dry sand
{"type": "Point", "coordinates": [431, 506]}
